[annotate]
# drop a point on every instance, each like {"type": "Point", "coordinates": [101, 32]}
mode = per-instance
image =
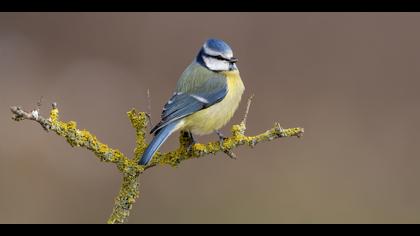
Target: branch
{"type": "Point", "coordinates": [129, 167]}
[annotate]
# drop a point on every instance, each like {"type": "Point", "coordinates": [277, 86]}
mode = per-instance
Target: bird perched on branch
{"type": "Point", "coordinates": [206, 97]}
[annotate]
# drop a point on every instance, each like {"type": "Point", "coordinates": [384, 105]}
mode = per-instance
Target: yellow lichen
{"type": "Point", "coordinates": [54, 115]}
{"type": "Point", "coordinates": [199, 147]}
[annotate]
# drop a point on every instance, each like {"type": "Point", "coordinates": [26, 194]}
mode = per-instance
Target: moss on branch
{"type": "Point", "coordinates": [129, 167]}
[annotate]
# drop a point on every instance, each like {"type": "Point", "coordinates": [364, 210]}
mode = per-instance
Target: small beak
{"type": "Point", "coordinates": [233, 60]}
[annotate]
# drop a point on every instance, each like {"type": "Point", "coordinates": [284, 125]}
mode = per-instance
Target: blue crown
{"type": "Point", "coordinates": [218, 45]}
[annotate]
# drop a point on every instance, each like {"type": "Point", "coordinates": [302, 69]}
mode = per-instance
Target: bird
{"type": "Point", "coordinates": [206, 97]}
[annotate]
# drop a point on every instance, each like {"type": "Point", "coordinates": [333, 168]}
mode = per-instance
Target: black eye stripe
{"type": "Point", "coordinates": [220, 58]}
{"type": "Point", "coordinates": [217, 57]}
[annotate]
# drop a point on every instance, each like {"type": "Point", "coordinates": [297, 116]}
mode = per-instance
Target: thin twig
{"type": "Point", "coordinates": [248, 105]}
{"type": "Point", "coordinates": [149, 108]}
{"type": "Point", "coordinates": [39, 103]}
{"type": "Point", "coordinates": [19, 114]}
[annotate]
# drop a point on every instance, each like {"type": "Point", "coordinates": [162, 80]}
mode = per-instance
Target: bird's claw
{"type": "Point", "coordinates": [191, 142]}
{"type": "Point", "coordinates": [190, 146]}
{"type": "Point", "coordinates": [222, 138]}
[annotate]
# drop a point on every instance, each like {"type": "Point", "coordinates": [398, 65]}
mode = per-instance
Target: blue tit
{"type": "Point", "coordinates": [206, 96]}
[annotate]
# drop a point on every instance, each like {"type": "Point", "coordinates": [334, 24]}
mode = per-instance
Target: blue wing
{"type": "Point", "coordinates": [182, 104]}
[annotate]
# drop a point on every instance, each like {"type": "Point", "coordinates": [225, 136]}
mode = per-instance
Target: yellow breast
{"type": "Point", "coordinates": [216, 116]}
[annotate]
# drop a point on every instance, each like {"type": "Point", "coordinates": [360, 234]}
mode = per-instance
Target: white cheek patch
{"type": "Point", "coordinates": [214, 64]}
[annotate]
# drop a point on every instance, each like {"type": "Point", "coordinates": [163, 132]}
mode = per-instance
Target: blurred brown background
{"type": "Point", "coordinates": [350, 79]}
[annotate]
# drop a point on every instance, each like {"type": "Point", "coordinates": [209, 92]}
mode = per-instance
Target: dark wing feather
{"type": "Point", "coordinates": [183, 104]}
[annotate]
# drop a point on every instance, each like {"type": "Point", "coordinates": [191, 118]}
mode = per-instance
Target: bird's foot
{"type": "Point", "coordinates": [191, 141]}
{"type": "Point", "coordinates": [222, 138]}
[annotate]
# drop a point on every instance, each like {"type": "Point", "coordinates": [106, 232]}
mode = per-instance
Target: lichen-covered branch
{"type": "Point", "coordinates": [127, 196]}
{"type": "Point", "coordinates": [129, 167]}
{"type": "Point", "coordinates": [81, 138]}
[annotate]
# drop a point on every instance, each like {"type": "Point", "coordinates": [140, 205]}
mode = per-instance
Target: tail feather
{"type": "Point", "coordinates": [158, 140]}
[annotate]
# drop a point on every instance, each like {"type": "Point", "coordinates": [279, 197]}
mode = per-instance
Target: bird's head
{"type": "Point", "coordinates": [217, 56]}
